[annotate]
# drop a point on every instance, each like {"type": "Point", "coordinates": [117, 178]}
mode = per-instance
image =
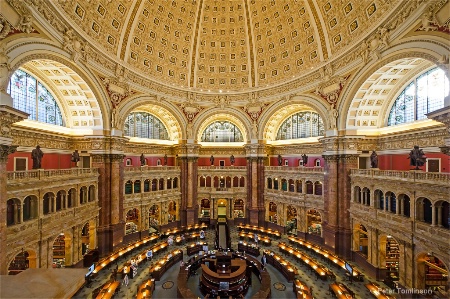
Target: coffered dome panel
{"type": "Point", "coordinates": [232, 45]}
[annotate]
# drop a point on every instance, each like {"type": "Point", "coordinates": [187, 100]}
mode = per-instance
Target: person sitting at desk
{"type": "Point", "coordinates": [202, 234]}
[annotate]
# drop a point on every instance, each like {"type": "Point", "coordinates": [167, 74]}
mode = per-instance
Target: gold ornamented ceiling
{"type": "Point", "coordinates": [231, 45]}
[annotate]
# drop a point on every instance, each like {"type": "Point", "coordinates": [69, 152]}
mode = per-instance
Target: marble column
{"type": "Point", "coordinates": [337, 198]}
{"type": "Point", "coordinates": [189, 183]}
{"type": "Point", "coordinates": [8, 116]}
{"type": "Point", "coordinates": [111, 229]}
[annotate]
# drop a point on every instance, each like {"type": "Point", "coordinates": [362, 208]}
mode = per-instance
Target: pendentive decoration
{"type": "Point", "coordinates": [117, 87]}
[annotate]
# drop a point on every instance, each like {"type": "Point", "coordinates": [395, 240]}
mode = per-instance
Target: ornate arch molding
{"type": "Point", "coordinates": [234, 116]}
{"type": "Point", "coordinates": [167, 113]}
{"type": "Point", "coordinates": [272, 119]}
{"type": "Point", "coordinates": [80, 69]}
{"type": "Point", "coordinates": [401, 51]}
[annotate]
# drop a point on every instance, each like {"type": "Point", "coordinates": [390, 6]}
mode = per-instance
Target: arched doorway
{"type": "Point", "coordinates": [238, 208]}
{"type": "Point", "coordinates": [153, 216]}
{"type": "Point", "coordinates": [291, 220]}
{"type": "Point", "coordinates": [432, 272]}
{"type": "Point", "coordinates": [389, 258]}
{"type": "Point", "coordinates": [314, 222]}
{"type": "Point", "coordinates": [22, 261]}
{"type": "Point", "coordinates": [221, 209]}
{"type": "Point", "coordinates": [205, 208]}
{"type": "Point", "coordinates": [132, 221]}
{"type": "Point", "coordinates": [360, 239]}
{"type": "Point", "coordinates": [172, 212]}
{"type": "Point", "coordinates": [62, 251]}
{"type": "Point", "coordinates": [88, 237]}
{"type": "Point", "coordinates": [273, 216]}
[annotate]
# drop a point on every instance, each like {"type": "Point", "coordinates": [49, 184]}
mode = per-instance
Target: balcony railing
{"type": "Point", "coordinates": [42, 174]}
{"type": "Point", "coordinates": [413, 176]}
{"type": "Point", "coordinates": [149, 168]}
{"type": "Point", "coordinates": [296, 169]}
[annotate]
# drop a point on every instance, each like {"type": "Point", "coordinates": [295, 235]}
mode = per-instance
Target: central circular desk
{"type": "Point", "coordinates": [224, 274]}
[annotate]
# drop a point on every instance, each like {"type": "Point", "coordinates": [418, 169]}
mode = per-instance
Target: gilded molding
{"type": "Point", "coordinates": [107, 158]}
{"type": "Point", "coordinates": [5, 150]}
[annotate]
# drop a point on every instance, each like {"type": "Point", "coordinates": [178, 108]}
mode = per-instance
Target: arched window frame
{"type": "Point", "coordinates": [415, 101]}
{"type": "Point", "coordinates": [222, 131]}
{"type": "Point", "coordinates": [32, 96]}
{"type": "Point", "coordinates": [303, 124]}
{"type": "Point", "coordinates": [145, 125]}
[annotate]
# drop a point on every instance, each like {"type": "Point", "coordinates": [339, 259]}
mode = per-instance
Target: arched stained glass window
{"type": "Point", "coordinates": [423, 95]}
{"type": "Point", "coordinates": [145, 125]}
{"type": "Point", "coordinates": [301, 125]}
{"type": "Point", "coordinates": [30, 96]}
{"type": "Point", "coordinates": [222, 131]}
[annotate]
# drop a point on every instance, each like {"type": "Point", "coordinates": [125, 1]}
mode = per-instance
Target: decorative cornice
{"type": "Point", "coordinates": [107, 158]}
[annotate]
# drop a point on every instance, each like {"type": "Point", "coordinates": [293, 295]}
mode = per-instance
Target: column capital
{"type": "Point", "coordinates": [5, 150]}
{"type": "Point", "coordinates": [106, 145]}
{"type": "Point", "coordinates": [255, 150]}
{"type": "Point", "coordinates": [189, 150]}
{"type": "Point", "coordinates": [338, 145]}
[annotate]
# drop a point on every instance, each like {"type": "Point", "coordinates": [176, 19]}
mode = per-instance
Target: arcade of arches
{"type": "Point", "coordinates": [177, 125]}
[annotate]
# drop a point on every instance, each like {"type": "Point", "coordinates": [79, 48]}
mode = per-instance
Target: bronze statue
{"type": "Point", "coordinates": [374, 160]}
{"type": "Point", "coordinates": [165, 159]}
{"type": "Point", "coordinates": [417, 157]}
{"type": "Point", "coordinates": [304, 159]}
{"type": "Point", "coordinates": [75, 156]}
{"type": "Point", "coordinates": [37, 155]}
{"type": "Point", "coordinates": [211, 159]}
{"type": "Point", "coordinates": [232, 159]}
{"type": "Point", "coordinates": [280, 160]}
{"type": "Point", "coordinates": [142, 158]}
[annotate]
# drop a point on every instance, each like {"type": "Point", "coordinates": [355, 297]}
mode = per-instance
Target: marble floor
{"type": "Point", "coordinates": [319, 287]}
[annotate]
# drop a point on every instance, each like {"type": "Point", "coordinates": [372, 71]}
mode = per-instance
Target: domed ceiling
{"type": "Point", "coordinates": [231, 45]}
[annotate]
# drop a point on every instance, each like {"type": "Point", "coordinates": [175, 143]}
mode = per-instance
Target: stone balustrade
{"type": "Point", "coordinates": [412, 176]}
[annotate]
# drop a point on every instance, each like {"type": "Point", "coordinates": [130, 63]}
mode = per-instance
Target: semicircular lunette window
{"type": "Point", "coordinates": [301, 125]}
{"type": "Point", "coordinates": [30, 96]}
{"type": "Point", "coordinates": [222, 131]}
{"type": "Point", "coordinates": [423, 95]}
{"type": "Point", "coordinates": [145, 125]}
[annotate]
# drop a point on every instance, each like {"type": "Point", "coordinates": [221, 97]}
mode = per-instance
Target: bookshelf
{"type": "Point", "coordinates": [392, 258]}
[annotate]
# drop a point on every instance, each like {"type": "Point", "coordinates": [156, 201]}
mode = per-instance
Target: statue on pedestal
{"type": "Point", "coordinates": [211, 159]}
{"type": "Point", "coordinates": [280, 160]}
{"type": "Point", "coordinates": [417, 157]}
{"type": "Point", "coordinates": [374, 160]}
{"type": "Point", "coordinates": [75, 157]}
{"type": "Point", "coordinates": [142, 159]}
{"type": "Point", "coordinates": [37, 155]}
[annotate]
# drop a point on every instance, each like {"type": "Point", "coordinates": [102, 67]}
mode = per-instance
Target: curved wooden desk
{"type": "Point", "coordinates": [183, 290]}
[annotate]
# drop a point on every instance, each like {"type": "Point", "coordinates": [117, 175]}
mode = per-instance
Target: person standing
{"type": "Point", "coordinates": [263, 261]}
{"type": "Point", "coordinates": [37, 155]}
{"type": "Point", "coordinates": [125, 279]}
